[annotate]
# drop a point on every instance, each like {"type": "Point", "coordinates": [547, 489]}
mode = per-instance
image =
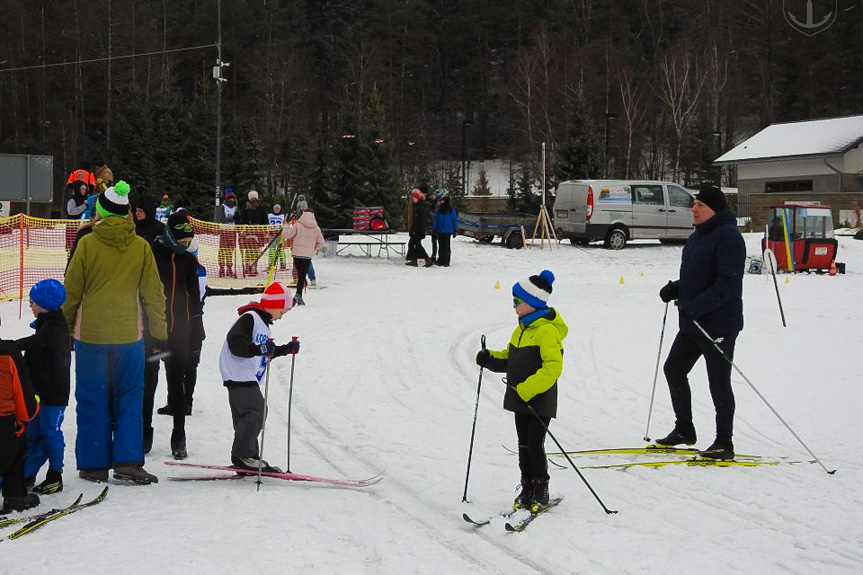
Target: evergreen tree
{"type": "Point", "coordinates": [578, 156]}
{"type": "Point", "coordinates": [527, 200]}
{"type": "Point", "coordinates": [481, 187]}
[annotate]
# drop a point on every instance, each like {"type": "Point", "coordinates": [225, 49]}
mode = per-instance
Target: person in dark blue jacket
{"type": "Point", "coordinates": [445, 224]}
{"type": "Point", "coordinates": [710, 292]}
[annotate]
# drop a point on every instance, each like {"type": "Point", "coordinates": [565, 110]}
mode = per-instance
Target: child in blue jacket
{"type": "Point", "coordinates": [48, 356]}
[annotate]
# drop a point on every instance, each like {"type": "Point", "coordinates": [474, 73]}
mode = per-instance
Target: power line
{"type": "Point", "coordinates": [91, 60]}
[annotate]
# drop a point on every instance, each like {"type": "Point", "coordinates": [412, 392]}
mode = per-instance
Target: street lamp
{"type": "Point", "coordinates": [464, 124]}
{"type": "Point", "coordinates": [608, 118]}
{"type": "Point", "coordinates": [718, 135]}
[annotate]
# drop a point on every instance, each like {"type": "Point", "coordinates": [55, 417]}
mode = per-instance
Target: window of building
{"type": "Point", "coordinates": [789, 186]}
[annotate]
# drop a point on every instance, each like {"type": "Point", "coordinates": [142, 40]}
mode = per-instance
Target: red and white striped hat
{"type": "Point", "coordinates": [276, 296]}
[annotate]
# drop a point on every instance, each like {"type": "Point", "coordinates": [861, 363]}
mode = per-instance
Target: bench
{"type": "Point", "coordinates": [367, 241]}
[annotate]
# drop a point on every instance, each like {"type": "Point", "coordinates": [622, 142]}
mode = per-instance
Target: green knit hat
{"type": "Point", "coordinates": [114, 201]}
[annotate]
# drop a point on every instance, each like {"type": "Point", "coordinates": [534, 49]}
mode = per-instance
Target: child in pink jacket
{"type": "Point", "coordinates": [307, 239]}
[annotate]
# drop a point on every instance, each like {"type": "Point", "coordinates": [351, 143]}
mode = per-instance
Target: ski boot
{"type": "Point", "coordinates": [720, 450]}
{"type": "Point", "coordinates": [540, 495]}
{"type": "Point", "coordinates": [53, 483]}
{"type": "Point", "coordinates": [251, 464]}
{"type": "Point", "coordinates": [677, 437]}
{"type": "Point", "coordinates": [525, 497]}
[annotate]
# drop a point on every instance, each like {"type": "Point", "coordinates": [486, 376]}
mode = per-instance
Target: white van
{"type": "Point", "coordinates": [616, 211]}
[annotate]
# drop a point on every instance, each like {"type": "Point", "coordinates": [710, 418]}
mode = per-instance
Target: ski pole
{"type": "Point", "coordinates": [770, 257]}
{"type": "Point", "coordinates": [263, 424]}
{"type": "Point", "coordinates": [562, 450]}
{"type": "Point", "coordinates": [290, 396]}
{"type": "Point", "coordinates": [764, 399]}
{"type": "Point", "coordinates": [473, 429]}
{"type": "Point", "coordinates": [656, 373]}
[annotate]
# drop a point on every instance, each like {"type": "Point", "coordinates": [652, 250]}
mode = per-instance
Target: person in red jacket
{"type": "Point", "coordinates": [18, 405]}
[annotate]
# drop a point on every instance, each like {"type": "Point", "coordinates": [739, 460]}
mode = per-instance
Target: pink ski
{"type": "Point", "coordinates": [284, 476]}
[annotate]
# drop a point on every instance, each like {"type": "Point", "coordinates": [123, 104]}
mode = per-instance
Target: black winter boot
{"type": "Point", "coordinates": [28, 501]}
{"type": "Point", "coordinates": [540, 495]}
{"type": "Point", "coordinates": [135, 474]}
{"type": "Point", "coordinates": [53, 483]}
{"type": "Point", "coordinates": [94, 475]}
{"type": "Point", "coordinates": [678, 437]}
{"type": "Point", "coordinates": [178, 448]}
{"type": "Point", "coordinates": [412, 262]}
{"type": "Point", "coordinates": [525, 497]}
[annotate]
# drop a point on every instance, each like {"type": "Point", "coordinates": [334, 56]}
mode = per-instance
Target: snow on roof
{"type": "Point", "coordinates": [795, 139]}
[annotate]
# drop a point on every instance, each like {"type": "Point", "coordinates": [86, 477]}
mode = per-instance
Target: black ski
{"type": "Point", "coordinates": [36, 524]}
{"type": "Point", "coordinates": [28, 518]}
{"type": "Point", "coordinates": [522, 525]}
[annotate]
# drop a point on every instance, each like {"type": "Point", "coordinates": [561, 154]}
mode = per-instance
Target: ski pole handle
{"type": "Point", "coordinates": [482, 341]}
{"type": "Point", "coordinates": [294, 338]}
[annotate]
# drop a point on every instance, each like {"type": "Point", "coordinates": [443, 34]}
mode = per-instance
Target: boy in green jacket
{"type": "Point", "coordinates": [532, 362]}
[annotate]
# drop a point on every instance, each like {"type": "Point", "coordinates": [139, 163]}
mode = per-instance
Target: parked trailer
{"type": "Point", "coordinates": [506, 225]}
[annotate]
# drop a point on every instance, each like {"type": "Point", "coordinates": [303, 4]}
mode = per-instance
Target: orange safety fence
{"type": "Point", "coordinates": [239, 257]}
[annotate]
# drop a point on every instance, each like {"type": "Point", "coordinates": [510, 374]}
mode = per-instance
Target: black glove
{"type": "Point", "coordinates": [483, 357]}
{"type": "Point", "coordinates": [668, 292]}
{"type": "Point", "coordinates": [292, 347]}
{"type": "Point", "coordinates": [268, 348]}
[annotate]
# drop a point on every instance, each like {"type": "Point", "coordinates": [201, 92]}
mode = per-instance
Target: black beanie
{"type": "Point", "coordinates": [712, 197]}
{"type": "Point", "coordinates": [180, 225]}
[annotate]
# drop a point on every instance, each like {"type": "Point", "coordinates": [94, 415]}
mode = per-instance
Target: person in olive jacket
{"type": "Point", "coordinates": [48, 356]}
{"type": "Point", "coordinates": [178, 270]}
{"type": "Point", "coordinates": [533, 362]}
{"type": "Point", "coordinates": [710, 292]}
{"type": "Point", "coordinates": [110, 277]}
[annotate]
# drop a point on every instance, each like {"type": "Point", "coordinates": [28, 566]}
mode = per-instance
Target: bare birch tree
{"type": "Point", "coordinates": [631, 102]}
{"type": "Point", "coordinates": [680, 83]}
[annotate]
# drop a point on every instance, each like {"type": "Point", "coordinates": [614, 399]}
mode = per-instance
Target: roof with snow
{"type": "Point", "coordinates": [799, 139]}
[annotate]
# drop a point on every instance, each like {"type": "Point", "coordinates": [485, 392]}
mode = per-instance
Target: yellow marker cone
{"type": "Point", "coordinates": [641, 274]}
{"type": "Point", "coordinates": [621, 280]}
{"type": "Point", "coordinates": [787, 280]}
{"type": "Point", "coordinates": [497, 284]}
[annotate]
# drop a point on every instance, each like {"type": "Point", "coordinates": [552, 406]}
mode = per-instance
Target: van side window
{"type": "Point", "coordinates": [649, 195]}
{"type": "Point", "coordinates": [679, 198]}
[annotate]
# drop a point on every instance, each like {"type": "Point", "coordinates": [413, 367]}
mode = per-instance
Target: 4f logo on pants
{"type": "Point", "coordinates": [810, 17]}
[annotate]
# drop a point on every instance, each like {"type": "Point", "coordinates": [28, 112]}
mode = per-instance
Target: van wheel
{"type": "Point", "coordinates": [616, 239]}
{"type": "Point", "coordinates": [514, 242]}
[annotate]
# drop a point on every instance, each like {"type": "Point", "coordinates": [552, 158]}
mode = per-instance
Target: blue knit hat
{"type": "Point", "coordinates": [535, 290]}
{"type": "Point", "coordinates": [48, 294]}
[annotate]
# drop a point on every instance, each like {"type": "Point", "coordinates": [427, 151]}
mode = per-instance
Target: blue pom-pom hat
{"type": "Point", "coordinates": [535, 290]}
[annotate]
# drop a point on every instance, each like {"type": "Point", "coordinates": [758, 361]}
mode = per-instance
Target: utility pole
{"type": "Point", "coordinates": [218, 76]}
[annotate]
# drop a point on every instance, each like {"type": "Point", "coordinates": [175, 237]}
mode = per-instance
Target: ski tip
{"type": "Point", "coordinates": [510, 528]}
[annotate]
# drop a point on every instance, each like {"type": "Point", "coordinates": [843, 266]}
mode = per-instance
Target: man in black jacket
{"type": "Point", "coordinates": [709, 292]}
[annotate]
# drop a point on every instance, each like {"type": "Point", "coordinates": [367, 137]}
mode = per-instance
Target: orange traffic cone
{"type": "Point", "coordinates": [833, 268]}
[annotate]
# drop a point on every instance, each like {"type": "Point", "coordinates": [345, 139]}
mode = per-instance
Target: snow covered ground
{"type": "Point", "coordinates": [386, 381]}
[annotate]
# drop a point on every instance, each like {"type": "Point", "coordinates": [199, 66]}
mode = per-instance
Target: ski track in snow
{"type": "Point", "coordinates": [386, 381]}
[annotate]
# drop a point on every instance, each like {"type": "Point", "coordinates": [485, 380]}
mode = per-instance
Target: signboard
{"type": "Point", "coordinates": [24, 177]}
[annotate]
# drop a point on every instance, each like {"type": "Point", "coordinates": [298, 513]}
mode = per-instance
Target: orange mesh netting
{"type": "Point", "coordinates": [33, 249]}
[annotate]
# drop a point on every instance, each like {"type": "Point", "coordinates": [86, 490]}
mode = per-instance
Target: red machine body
{"type": "Point", "coordinates": [804, 231]}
